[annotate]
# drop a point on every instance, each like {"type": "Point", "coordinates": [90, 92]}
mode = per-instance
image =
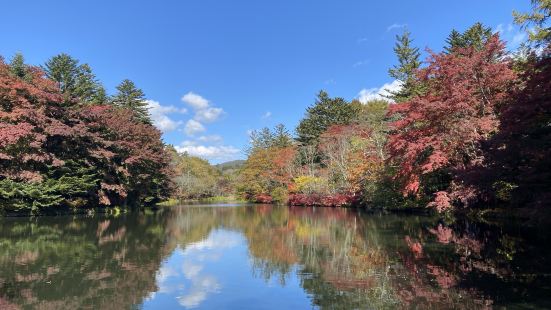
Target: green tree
{"type": "Point", "coordinates": [325, 112]}
{"type": "Point", "coordinates": [408, 64]}
{"type": "Point", "coordinates": [77, 82]}
{"type": "Point", "coordinates": [266, 138]}
{"type": "Point", "coordinates": [87, 87]}
{"type": "Point", "coordinates": [538, 18]}
{"type": "Point", "coordinates": [130, 97]}
{"type": "Point", "coordinates": [476, 36]}
{"type": "Point", "coordinates": [282, 138]}
{"type": "Point", "coordinates": [18, 67]}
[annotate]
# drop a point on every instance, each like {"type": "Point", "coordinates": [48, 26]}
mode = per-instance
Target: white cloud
{"type": "Point", "coordinates": [267, 115]}
{"type": "Point", "coordinates": [210, 138]}
{"type": "Point", "coordinates": [360, 63]}
{"type": "Point", "coordinates": [222, 152]}
{"type": "Point", "coordinates": [192, 127]}
{"type": "Point", "coordinates": [366, 95]}
{"type": "Point", "coordinates": [195, 101]}
{"type": "Point", "coordinates": [518, 38]}
{"type": "Point", "coordinates": [204, 112]}
{"type": "Point", "coordinates": [191, 270]}
{"type": "Point", "coordinates": [208, 115]}
{"type": "Point", "coordinates": [201, 287]}
{"type": "Point", "coordinates": [499, 29]}
{"type": "Point", "coordinates": [159, 115]}
{"type": "Point", "coordinates": [513, 36]}
{"type": "Point", "coordinates": [361, 40]}
{"type": "Point", "coordinates": [395, 26]}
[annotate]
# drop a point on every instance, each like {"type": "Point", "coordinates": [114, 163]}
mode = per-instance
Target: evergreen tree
{"type": "Point", "coordinates": [63, 69]}
{"type": "Point", "coordinates": [18, 67]}
{"type": "Point", "coordinates": [540, 34]}
{"type": "Point", "coordinates": [130, 97]}
{"type": "Point", "coordinates": [87, 88]}
{"type": "Point", "coordinates": [282, 138]}
{"type": "Point", "coordinates": [455, 38]}
{"type": "Point", "coordinates": [408, 64]}
{"type": "Point", "coordinates": [476, 36]}
{"type": "Point", "coordinates": [264, 139]}
{"type": "Point", "coordinates": [77, 82]}
{"type": "Point", "coordinates": [323, 114]}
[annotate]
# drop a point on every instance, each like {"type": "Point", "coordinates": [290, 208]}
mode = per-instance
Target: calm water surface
{"type": "Point", "coordinates": [267, 257]}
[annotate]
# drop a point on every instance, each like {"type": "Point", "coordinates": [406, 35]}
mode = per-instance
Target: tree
{"type": "Point", "coordinates": [130, 97]}
{"type": "Point", "coordinates": [325, 112]}
{"type": "Point", "coordinates": [541, 32]}
{"type": "Point", "coordinates": [77, 82]}
{"type": "Point", "coordinates": [441, 132]}
{"type": "Point", "coordinates": [520, 154]}
{"type": "Point", "coordinates": [87, 87]}
{"type": "Point", "coordinates": [54, 156]}
{"type": "Point", "coordinates": [282, 138]}
{"type": "Point", "coordinates": [265, 171]}
{"type": "Point", "coordinates": [476, 37]}
{"type": "Point", "coordinates": [454, 39]}
{"type": "Point", "coordinates": [195, 177]}
{"type": "Point", "coordinates": [406, 70]}
{"type": "Point", "coordinates": [18, 67]}
{"type": "Point", "coordinates": [279, 137]}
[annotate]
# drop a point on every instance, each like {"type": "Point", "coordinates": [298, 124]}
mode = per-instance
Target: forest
{"type": "Point", "coordinates": [470, 128]}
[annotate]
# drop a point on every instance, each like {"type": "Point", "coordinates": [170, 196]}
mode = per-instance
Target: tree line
{"type": "Point", "coordinates": [66, 144]}
{"type": "Point", "coordinates": [469, 127]}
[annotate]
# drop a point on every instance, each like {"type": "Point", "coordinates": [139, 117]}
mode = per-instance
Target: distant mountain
{"type": "Point", "coordinates": [230, 165]}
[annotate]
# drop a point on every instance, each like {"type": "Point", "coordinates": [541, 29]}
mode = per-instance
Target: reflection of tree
{"type": "Point", "coordinates": [344, 259]}
{"type": "Point", "coordinates": [348, 260]}
{"type": "Point", "coordinates": [70, 263]}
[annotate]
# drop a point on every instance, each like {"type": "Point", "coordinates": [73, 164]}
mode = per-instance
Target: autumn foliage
{"type": "Point", "coordinates": [57, 155]}
{"type": "Point", "coordinates": [440, 134]}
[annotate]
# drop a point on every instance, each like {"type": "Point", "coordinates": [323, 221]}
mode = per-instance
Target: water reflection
{"type": "Point", "coordinates": [270, 257]}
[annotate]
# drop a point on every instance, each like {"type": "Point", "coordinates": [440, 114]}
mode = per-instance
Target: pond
{"type": "Point", "coordinates": [269, 257]}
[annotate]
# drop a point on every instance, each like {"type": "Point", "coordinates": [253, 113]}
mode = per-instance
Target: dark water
{"type": "Point", "coordinates": [264, 257]}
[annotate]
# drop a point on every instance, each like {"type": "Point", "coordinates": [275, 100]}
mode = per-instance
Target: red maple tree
{"type": "Point", "coordinates": [443, 128]}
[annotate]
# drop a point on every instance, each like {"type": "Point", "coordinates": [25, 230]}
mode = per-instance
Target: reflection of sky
{"type": "Point", "coordinates": [215, 273]}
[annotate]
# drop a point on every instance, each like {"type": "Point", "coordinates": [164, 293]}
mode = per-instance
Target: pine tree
{"type": "Point", "coordinates": [87, 88]}
{"type": "Point", "coordinates": [63, 69]}
{"type": "Point", "coordinates": [130, 97]}
{"type": "Point", "coordinates": [476, 36]}
{"type": "Point", "coordinates": [282, 138]}
{"type": "Point", "coordinates": [18, 67]}
{"type": "Point", "coordinates": [77, 82]}
{"type": "Point", "coordinates": [455, 38]}
{"type": "Point", "coordinates": [408, 64]}
{"type": "Point", "coordinates": [540, 34]}
{"type": "Point", "coordinates": [325, 112]}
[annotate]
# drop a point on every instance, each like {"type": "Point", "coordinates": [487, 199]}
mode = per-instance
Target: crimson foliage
{"type": "Point", "coordinates": [438, 135]}
{"type": "Point", "coordinates": [53, 155]}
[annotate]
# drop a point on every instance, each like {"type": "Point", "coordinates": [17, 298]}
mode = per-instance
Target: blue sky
{"type": "Point", "coordinates": [214, 70]}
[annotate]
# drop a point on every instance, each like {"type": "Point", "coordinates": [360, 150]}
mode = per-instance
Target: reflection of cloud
{"type": "Point", "coordinates": [185, 275]}
{"type": "Point", "coordinates": [214, 241]}
{"type": "Point", "coordinates": [162, 276]}
{"type": "Point", "coordinates": [191, 270]}
{"type": "Point", "coordinates": [201, 287]}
